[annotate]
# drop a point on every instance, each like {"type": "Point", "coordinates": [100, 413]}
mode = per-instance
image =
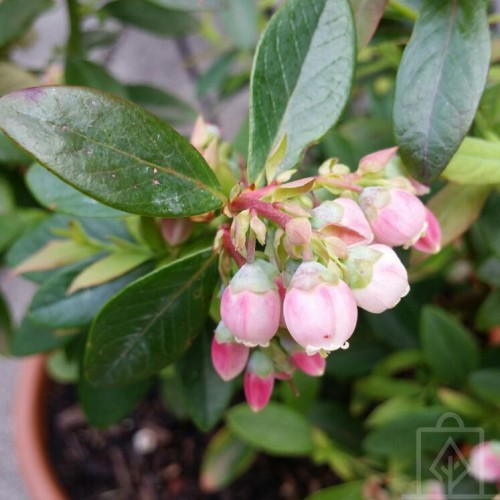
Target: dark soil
{"type": "Point", "coordinates": [101, 464]}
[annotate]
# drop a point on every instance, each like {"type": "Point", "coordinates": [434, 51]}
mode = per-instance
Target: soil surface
{"type": "Point", "coordinates": [97, 464]}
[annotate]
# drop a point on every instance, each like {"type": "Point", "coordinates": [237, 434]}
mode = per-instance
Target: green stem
{"type": "Point", "coordinates": [74, 47]}
{"type": "Point", "coordinates": [403, 10]}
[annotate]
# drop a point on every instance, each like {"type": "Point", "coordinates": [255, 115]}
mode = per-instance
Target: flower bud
{"type": "Point", "coordinates": [484, 463]}
{"type": "Point", "coordinates": [343, 219]}
{"type": "Point", "coordinates": [229, 358]}
{"type": "Point", "coordinates": [251, 305]}
{"type": "Point", "coordinates": [377, 277]}
{"type": "Point", "coordinates": [258, 383]}
{"type": "Point", "coordinates": [176, 231]}
{"type": "Point", "coordinates": [313, 365]}
{"type": "Point", "coordinates": [430, 241]}
{"type": "Point", "coordinates": [396, 216]}
{"type": "Point", "coordinates": [320, 310]}
{"type": "Point", "coordinates": [375, 162]}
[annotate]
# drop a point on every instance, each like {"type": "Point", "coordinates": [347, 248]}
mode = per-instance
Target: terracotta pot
{"type": "Point", "coordinates": [30, 431]}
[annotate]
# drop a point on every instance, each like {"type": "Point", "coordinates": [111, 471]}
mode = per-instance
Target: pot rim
{"type": "Point", "coordinates": [30, 430]}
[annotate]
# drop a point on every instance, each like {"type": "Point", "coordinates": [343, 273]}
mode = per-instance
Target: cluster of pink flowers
{"type": "Point", "coordinates": [295, 301]}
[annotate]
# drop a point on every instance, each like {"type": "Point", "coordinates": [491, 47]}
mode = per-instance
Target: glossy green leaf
{"type": "Point", "coordinates": [12, 225]}
{"type": "Point", "coordinates": [449, 349]}
{"type": "Point", "coordinates": [104, 406]}
{"type": "Point", "coordinates": [152, 17]}
{"type": "Point", "coordinates": [225, 459]}
{"type": "Point", "coordinates": [88, 74]}
{"type": "Point", "coordinates": [111, 150]}
{"type": "Point", "coordinates": [33, 338]}
{"type": "Point", "coordinates": [439, 84]}
{"type": "Point", "coordinates": [488, 315]}
{"type": "Point", "coordinates": [16, 17]}
{"type": "Point", "coordinates": [301, 79]}
{"type": "Point", "coordinates": [276, 429]}
{"type": "Point", "coordinates": [476, 162]}
{"type": "Point", "coordinates": [7, 198]}
{"type": "Point", "coordinates": [346, 491]}
{"type": "Point", "coordinates": [367, 15]}
{"type": "Point", "coordinates": [10, 154]}
{"type": "Point", "coordinates": [486, 384]}
{"type": "Point", "coordinates": [152, 321]}
{"type": "Point", "coordinates": [54, 308]}
{"type": "Point", "coordinates": [206, 395]}
{"type": "Point", "coordinates": [168, 107]}
{"type": "Point", "coordinates": [54, 194]}
{"type": "Point", "coordinates": [12, 77]}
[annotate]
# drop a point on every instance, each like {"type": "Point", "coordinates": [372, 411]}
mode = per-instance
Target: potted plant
{"type": "Point", "coordinates": [296, 261]}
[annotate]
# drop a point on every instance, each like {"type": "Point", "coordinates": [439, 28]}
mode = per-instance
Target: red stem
{"type": "Point", "coordinates": [263, 208]}
{"type": "Point", "coordinates": [340, 184]}
{"type": "Point", "coordinates": [228, 245]}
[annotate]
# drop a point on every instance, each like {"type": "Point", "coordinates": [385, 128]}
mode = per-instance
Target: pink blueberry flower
{"type": "Point", "coordinates": [251, 305]}
{"type": "Point", "coordinates": [377, 277]}
{"type": "Point", "coordinates": [320, 309]}
{"type": "Point", "coordinates": [430, 241]}
{"type": "Point", "coordinates": [176, 231]}
{"type": "Point", "coordinates": [313, 365]}
{"type": "Point", "coordinates": [258, 383]}
{"type": "Point", "coordinates": [484, 462]}
{"type": "Point", "coordinates": [396, 216]}
{"type": "Point", "coordinates": [229, 358]}
{"type": "Point", "coordinates": [344, 219]}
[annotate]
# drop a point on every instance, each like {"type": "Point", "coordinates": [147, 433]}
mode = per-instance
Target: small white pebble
{"type": "Point", "coordinates": [145, 441]}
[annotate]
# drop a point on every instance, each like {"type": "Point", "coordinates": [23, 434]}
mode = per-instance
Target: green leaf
{"type": "Point", "coordinates": [7, 198]}
{"type": "Point", "coordinates": [346, 491]}
{"type": "Point", "coordinates": [191, 5]}
{"type": "Point", "coordinates": [376, 387]}
{"type": "Point", "coordinates": [12, 77]}
{"type": "Point", "coordinates": [303, 394]}
{"type": "Point", "coordinates": [240, 20]}
{"type": "Point", "coordinates": [88, 74]}
{"type": "Point", "coordinates": [166, 106]}
{"type": "Point", "coordinates": [33, 338]}
{"type": "Point", "coordinates": [104, 406]}
{"type": "Point", "coordinates": [152, 321]}
{"type": "Point", "coordinates": [62, 368]}
{"type": "Point", "coordinates": [225, 459]}
{"type": "Point", "coordinates": [301, 79]}
{"type": "Point", "coordinates": [449, 349]}
{"type": "Point", "coordinates": [276, 429]}
{"type": "Point", "coordinates": [434, 107]}
{"type": "Point", "coordinates": [111, 150]}
{"type": "Point", "coordinates": [381, 441]}
{"type": "Point", "coordinates": [476, 162]}
{"type": "Point", "coordinates": [391, 409]}
{"type": "Point", "coordinates": [367, 15]}
{"type": "Point", "coordinates": [488, 315]}
{"type": "Point", "coordinates": [54, 308]}
{"type": "Point", "coordinates": [10, 154]}
{"type": "Point", "coordinates": [152, 17]}
{"type": "Point", "coordinates": [462, 404]}
{"type": "Point", "coordinates": [486, 384]}
{"type": "Point", "coordinates": [54, 194]}
{"type": "Point", "coordinates": [16, 17]}
{"type": "Point", "coordinates": [457, 208]}
{"type": "Point", "coordinates": [216, 74]}
{"type": "Point", "coordinates": [489, 271]}
{"type": "Point", "coordinates": [13, 224]}
{"type": "Point", "coordinates": [108, 268]}
{"type": "Point", "coordinates": [487, 226]}
{"type": "Point", "coordinates": [206, 395]}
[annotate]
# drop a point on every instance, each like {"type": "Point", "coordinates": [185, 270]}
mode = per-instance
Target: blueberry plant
{"type": "Point", "coordinates": [196, 261]}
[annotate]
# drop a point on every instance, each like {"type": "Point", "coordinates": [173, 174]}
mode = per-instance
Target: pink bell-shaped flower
{"type": "Point", "coordinates": [344, 219]}
{"type": "Point", "coordinates": [377, 277]}
{"type": "Point", "coordinates": [430, 241]}
{"type": "Point", "coordinates": [313, 365]}
{"type": "Point", "coordinates": [258, 383]}
{"type": "Point", "coordinates": [484, 462]}
{"type": "Point", "coordinates": [176, 231]}
{"type": "Point", "coordinates": [320, 310]}
{"type": "Point", "coordinates": [228, 357]}
{"type": "Point", "coordinates": [251, 305]}
{"type": "Point", "coordinates": [396, 216]}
